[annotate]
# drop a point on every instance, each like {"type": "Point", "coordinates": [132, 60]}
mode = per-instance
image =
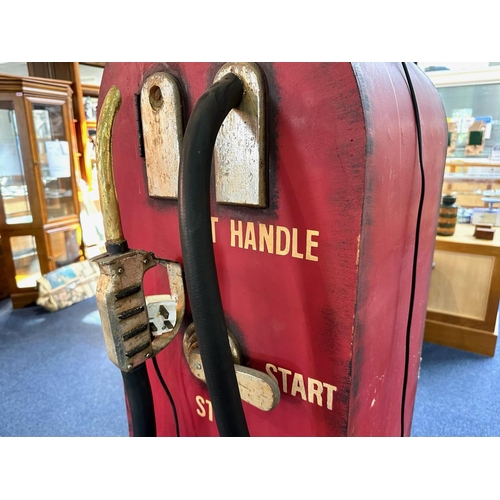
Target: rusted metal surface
{"type": "Point", "coordinates": [161, 115]}
{"type": "Point", "coordinates": [239, 155]}
{"type": "Point", "coordinates": [124, 310]}
{"type": "Point", "coordinates": [122, 307]}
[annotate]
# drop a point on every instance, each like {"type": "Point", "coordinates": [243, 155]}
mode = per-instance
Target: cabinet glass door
{"type": "Point", "coordinates": [65, 246]}
{"type": "Point", "coordinates": [12, 178]}
{"type": "Point", "coordinates": [26, 263]}
{"type": "Point", "coordinates": [473, 113]}
{"type": "Point", "coordinates": [55, 162]}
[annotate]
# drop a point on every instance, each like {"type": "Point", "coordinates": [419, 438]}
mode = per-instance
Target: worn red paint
{"type": "Point", "coordinates": [343, 162]}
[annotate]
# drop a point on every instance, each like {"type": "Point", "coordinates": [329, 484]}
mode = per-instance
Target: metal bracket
{"type": "Point", "coordinates": [240, 161]}
{"type": "Point", "coordinates": [161, 118]}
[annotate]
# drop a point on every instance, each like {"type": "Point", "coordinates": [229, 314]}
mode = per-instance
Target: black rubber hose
{"type": "Point", "coordinates": [198, 254]}
{"type": "Point", "coordinates": [140, 405]}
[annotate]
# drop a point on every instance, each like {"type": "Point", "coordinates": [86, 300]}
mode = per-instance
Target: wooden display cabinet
{"type": "Point", "coordinates": [39, 208]}
{"type": "Point", "coordinates": [4, 288]}
{"type": "Point", "coordinates": [464, 294]}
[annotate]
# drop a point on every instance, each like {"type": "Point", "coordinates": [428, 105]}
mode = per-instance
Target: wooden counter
{"type": "Point", "coordinates": [464, 292]}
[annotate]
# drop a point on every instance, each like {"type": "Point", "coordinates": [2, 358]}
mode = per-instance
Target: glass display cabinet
{"type": "Point", "coordinates": [470, 93]}
{"type": "Point", "coordinates": [39, 208]}
{"type": "Point", "coordinates": [464, 295]}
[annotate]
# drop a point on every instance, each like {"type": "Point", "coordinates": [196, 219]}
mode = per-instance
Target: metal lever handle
{"type": "Point", "coordinates": [256, 388]}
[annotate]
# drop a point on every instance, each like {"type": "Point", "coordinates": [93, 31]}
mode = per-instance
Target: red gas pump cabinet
{"type": "Point", "coordinates": [316, 283]}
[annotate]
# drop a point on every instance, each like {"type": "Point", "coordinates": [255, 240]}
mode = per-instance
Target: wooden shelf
{"type": "Point", "coordinates": [473, 162]}
{"type": "Point", "coordinates": [464, 235]}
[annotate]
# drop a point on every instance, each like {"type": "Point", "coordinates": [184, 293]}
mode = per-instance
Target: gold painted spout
{"type": "Point", "coordinates": [109, 201]}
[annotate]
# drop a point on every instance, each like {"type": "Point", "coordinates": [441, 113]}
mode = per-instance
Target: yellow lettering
{"type": "Point", "coordinates": [266, 235]}
{"type": "Point", "coordinates": [270, 367]}
{"type": "Point", "coordinates": [201, 409]}
{"type": "Point", "coordinates": [314, 388]}
{"type": "Point", "coordinates": [284, 373]}
{"type": "Point", "coordinates": [286, 240]}
{"type": "Point", "coordinates": [310, 244]}
{"type": "Point", "coordinates": [298, 386]}
{"type": "Point", "coordinates": [312, 392]}
{"type": "Point", "coordinates": [295, 253]}
{"type": "Point", "coordinates": [329, 394]}
{"type": "Point", "coordinates": [236, 233]}
{"type": "Point", "coordinates": [210, 414]}
{"type": "Point", "coordinates": [250, 236]}
{"type": "Point", "coordinates": [214, 220]}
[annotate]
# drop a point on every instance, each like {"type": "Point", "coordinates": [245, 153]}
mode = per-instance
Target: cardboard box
{"type": "Point", "coordinates": [485, 216]}
{"type": "Point", "coordinates": [67, 285]}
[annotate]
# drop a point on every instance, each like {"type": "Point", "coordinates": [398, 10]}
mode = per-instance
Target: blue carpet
{"type": "Point", "coordinates": [56, 380]}
{"type": "Point", "coordinates": [55, 376]}
{"type": "Point", "coordinates": [458, 394]}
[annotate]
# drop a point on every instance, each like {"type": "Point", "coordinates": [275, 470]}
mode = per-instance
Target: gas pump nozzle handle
{"type": "Point", "coordinates": [126, 314]}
